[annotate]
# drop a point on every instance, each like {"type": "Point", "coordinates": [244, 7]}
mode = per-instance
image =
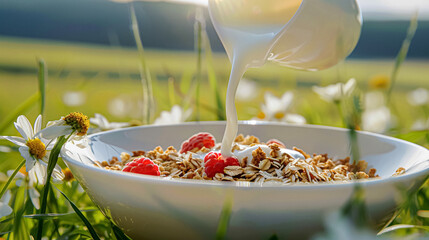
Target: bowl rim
{"type": "Point", "coordinates": [250, 185]}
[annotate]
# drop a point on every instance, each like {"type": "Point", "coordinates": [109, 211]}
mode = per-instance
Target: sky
{"type": "Point", "coordinates": [394, 9]}
{"type": "Point", "coordinates": [371, 9]}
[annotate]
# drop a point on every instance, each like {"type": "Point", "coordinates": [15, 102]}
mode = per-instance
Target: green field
{"type": "Point", "coordinates": [104, 75]}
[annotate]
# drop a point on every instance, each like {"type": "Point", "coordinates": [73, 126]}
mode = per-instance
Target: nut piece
{"type": "Point", "coordinates": [138, 153]}
{"type": "Point", "coordinates": [125, 157]}
{"type": "Point", "coordinates": [274, 150]}
{"type": "Point", "coordinates": [258, 155]}
{"type": "Point", "coordinates": [361, 166]}
{"type": "Point", "coordinates": [371, 172]}
{"type": "Point", "coordinates": [399, 171]}
{"type": "Point", "coordinates": [361, 175]}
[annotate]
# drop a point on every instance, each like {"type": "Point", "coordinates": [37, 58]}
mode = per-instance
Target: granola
{"type": "Point", "coordinates": [257, 162]}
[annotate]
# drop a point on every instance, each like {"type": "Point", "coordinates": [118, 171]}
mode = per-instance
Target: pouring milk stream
{"type": "Point", "coordinates": [302, 34]}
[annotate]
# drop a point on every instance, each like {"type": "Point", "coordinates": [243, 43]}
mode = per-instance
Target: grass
{"type": "Point", "coordinates": [104, 73]}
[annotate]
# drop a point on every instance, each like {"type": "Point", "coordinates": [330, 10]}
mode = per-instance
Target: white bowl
{"type": "Point", "coordinates": [148, 207]}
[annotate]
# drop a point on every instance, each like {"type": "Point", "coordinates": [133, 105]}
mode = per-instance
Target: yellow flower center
{"type": "Point", "coordinates": [379, 82]}
{"type": "Point", "coordinates": [37, 148]}
{"type": "Point", "coordinates": [279, 115]}
{"type": "Point", "coordinates": [68, 176]}
{"type": "Point", "coordinates": [78, 122]}
{"type": "Point", "coordinates": [261, 115]}
{"type": "Point", "coordinates": [23, 171]}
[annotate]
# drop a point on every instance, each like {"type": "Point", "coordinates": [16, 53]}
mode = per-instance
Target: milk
{"type": "Point", "coordinates": [303, 34]}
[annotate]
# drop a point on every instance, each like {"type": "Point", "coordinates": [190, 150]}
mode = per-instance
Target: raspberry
{"type": "Point", "coordinates": [278, 142]}
{"type": "Point", "coordinates": [142, 166]}
{"type": "Point", "coordinates": [198, 141]}
{"type": "Point", "coordinates": [215, 163]}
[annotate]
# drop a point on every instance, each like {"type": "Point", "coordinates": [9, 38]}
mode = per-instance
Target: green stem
{"type": "Point", "coordinates": [53, 158]}
{"type": "Point", "coordinates": [11, 178]}
{"type": "Point", "coordinates": [402, 55]}
{"type": "Point", "coordinates": [225, 216]}
{"type": "Point", "coordinates": [148, 98]}
{"type": "Point", "coordinates": [340, 111]}
{"type": "Point", "coordinates": [198, 39]}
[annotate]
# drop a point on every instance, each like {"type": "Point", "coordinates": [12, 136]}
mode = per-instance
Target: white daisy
{"type": "Point", "coordinates": [176, 115]}
{"type": "Point", "coordinates": [276, 109]}
{"type": "Point", "coordinates": [374, 100]}
{"type": "Point", "coordinates": [336, 92]}
{"type": "Point", "coordinates": [33, 149]}
{"type": "Point", "coordinates": [75, 124]}
{"type": "Point", "coordinates": [102, 124]}
{"type": "Point", "coordinates": [33, 180]}
{"type": "Point", "coordinates": [419, 97]}
{"type": "Point", "coordinates": [420, 125]}
{"type": "Point", "coordinates": [5, 209]}
{"type": "Point", "coordinates": [376, 116]}
{"type": "Point", "coordinates": [294, 119]}
{"type": "Point", "coordinates": [377, 120]}
{"type": "Point", "coordinates": [74, 98]}
{"type": "Point", "coordinates": [246, 90]}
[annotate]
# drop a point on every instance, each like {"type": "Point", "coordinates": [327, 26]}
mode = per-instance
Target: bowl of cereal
{"type": "Point", "coordinates": [283, 179]}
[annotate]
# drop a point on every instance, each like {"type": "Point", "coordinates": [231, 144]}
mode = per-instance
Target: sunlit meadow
{"type": "Point", "coordinates": [117, 87]}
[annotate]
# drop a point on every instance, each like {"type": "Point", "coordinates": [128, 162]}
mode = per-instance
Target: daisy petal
{"type": "Point", "coordinates": [5, 210]}
{"type": "Point", "coordinates": [34, 196]}
{"type": "Point", "coordinates": [52, 132]}
{"type": "Point", "coordinates": [57, 174]}
{"type": "Point", "coordinates": [6, 197]}
{"type": "Point", "coordinates": [22, 131]}
{"type": "Point", "coordinates": [37, 125]}
{"type": "Point", "coordinates": [29, 160]}
{"type": "Point", "coordinates": [40, 172]}
{"type": "Point", "coordinates": [15, 140]}
{"type": "Point", "coordinates": [18, 182]}
{"type": "Point", "coordinates": [25, 127]}
{"type": "Point", "coordinates": [104, 123]}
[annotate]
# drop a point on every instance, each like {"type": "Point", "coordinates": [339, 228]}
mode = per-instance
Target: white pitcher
{"type": "Point", "coordinates": [301, 34]}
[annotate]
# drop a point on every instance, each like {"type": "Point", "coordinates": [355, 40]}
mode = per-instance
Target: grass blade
{"type": "Point", "coordinates": [199, 25]}
{"type": "Point", "coordinates": [81, 216]}
{"type": "Point", "coordinates": [118, 232]}
{"type": "Point", "coordinates": [11, 178]}
{"type": "Point", "coordinates": [42, 84]}
{"type": "Point", "coordinates": [53, 158]}
{"type": "Point", "coordinates": [352, 122]}
{"type": "Point", "coordinates": [148, 101]}
{"type": "Point", "coordinates": [212, 78]}
{"type": "Point", "coordinates": [355, 208]}
{"type": "Point", "coordinates": [224, 220]}
{"type": "Point", "coordinates": [423, 213]}
{"type": "Point", "coordinates": [50, 216]}
{"type": "Point", "coordinates": [171, 95]}
{"type": "Point", "coordinates": [186, 85]}
{"type": "Point", "coordinates": [9, 119]}
{"type": "Point", "coordinates": [19, 229]}
{"type": "Point", "coordinates": [402, 226]}
{"type": "Point", "coordinates": [400, 58]}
